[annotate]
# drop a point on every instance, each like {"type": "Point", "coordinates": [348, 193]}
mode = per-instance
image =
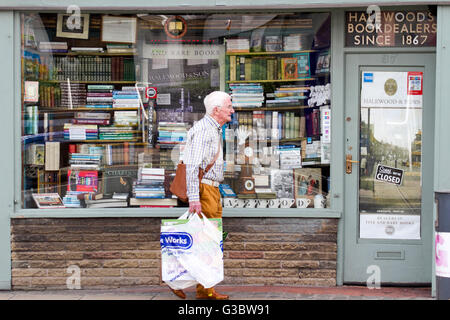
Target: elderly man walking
{"type": "Point", "coordinates": [203, 147]}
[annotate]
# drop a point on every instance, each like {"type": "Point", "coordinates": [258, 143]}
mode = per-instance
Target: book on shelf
{"type": "Point", "coordinates": [246, 95]}
{"type": "Point", "coordinates": [289, 68]}
{"type": "Point", "coordinates": [31, 91]}
{"type": "Point", "coordinates": [125, 98]}
{"type": "Point", "coordinates": [90, 68]}
{"type": "Point", "coordinates": [290, 157]}
{"type": "Point", "coordinates": [297, 42]}
{"type": "Point", "coordinates": [169, 202]}
{"type": "Point", "coordinates": [52, 155]}
{"type": "Point", "coordinates": [312, 122]}
{"type": "Point", "coordinates": [31, 120]}
{"type": "Point", "coordinates": [303, 65]}
{"type": "Point", "coordinates": [71, 200]}
{"type": "Point", "coordinates": [323, 62]}
{"type": "Point", "coordinates": [273, 44]}
{"type": "Point", "coordinates": [80, 131]}
{"type": "Point", "coordinates": [107, 203]}
{"type": "Point", "coordinates": [48, 200]}
{"type": "Point", "coordinates": [238, 45]}
{"type": "Point", "coordinates": [256, 40]}
{"type": "Point", "coordinates": [82, 180]}
{"type": "Point", "coordinates": [226, 191]}
{"type": "Point", "coordinates": [35, 154]}
{"type": "Point", "coordinates": [54, 47]}
{"type": "Point", "coordinates": [119, 179]}
{"type": "Point", "coordinates": [120, 48]}
{"type": "Point", "coordinates": [126, 118]}
{"type": "Point", "coordinates": [86, 49]}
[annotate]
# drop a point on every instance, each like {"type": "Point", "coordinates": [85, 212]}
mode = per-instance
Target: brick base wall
{"type": "Point", "coordinates": [124, 252]}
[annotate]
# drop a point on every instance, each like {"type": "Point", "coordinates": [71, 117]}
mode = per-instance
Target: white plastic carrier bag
{"type": "Point", "coordinates": [172, 272]}
{"type": "Point", "coordinates": [191, 251]}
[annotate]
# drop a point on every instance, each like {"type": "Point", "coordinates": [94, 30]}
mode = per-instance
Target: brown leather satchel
{"type": "Point", "coordinates": [178, 186]}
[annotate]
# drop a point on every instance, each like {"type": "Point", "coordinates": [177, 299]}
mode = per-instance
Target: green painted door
{"type": "Point", "coordinates": [389, 131]}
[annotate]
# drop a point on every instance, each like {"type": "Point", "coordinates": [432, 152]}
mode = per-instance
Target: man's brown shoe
{"type": "Point", "coordinates": [210, 293]}
{"type": "Point", "coordinates": [179, 293]}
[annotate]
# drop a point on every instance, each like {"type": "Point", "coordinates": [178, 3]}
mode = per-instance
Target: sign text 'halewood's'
{"type": "Point", "coordinates": [390, 29]}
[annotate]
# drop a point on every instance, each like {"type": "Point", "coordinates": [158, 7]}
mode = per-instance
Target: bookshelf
{"type": "Point", "coordinates": [80, 109]}
{"type": "Point", "coordinates": [97, 144]}
{"type": "Point", "coordinates": [277, 94]}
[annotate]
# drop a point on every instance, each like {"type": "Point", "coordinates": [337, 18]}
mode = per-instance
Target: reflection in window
{"type": "Point", "coordinates": [91, 137]}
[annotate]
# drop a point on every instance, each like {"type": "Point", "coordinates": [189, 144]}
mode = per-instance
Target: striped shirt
{"type": "Point", "coordinates": [202, 143]}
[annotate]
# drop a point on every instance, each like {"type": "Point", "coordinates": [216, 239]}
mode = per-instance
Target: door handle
{"type": "Point", "coordinates": [348, 163]}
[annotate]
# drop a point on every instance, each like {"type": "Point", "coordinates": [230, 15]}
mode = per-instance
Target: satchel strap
{"type": "Point", "coordinates": [209, 166]}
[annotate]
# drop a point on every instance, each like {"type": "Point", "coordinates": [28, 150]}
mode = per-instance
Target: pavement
{"type": "Point", "coordinates": [236, 292]}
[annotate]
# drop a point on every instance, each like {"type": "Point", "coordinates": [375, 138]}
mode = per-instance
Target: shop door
{"type": "Point", "coordinates": [389, 131]}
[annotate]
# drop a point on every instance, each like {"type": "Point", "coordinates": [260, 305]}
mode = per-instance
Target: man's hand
{"type": "Point", "coordinates": [195, 207]}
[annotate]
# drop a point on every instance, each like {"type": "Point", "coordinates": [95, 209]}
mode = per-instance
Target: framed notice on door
{"type": "Point", "coordinates": [390, 154]}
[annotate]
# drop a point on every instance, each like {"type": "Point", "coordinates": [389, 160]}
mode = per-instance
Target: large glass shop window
{"type": "Point", "coordinates": [107, 101]}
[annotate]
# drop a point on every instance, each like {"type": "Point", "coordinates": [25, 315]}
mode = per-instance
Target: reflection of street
{"type": "Point", "coordinates": [376, 195]}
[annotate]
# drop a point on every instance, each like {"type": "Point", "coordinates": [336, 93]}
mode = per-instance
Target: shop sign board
{"type": "Point", "coordinates": [406, 28]}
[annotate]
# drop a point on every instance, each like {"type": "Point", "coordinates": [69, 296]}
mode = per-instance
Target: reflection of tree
{"type": "Point", "coordinates": [382, 151]}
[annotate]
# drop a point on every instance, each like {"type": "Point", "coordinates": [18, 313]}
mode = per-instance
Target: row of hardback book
{"type": "Point", "coordinates": [279, 125]}
{"type": "Point", "coordinates": [245, 68]}
{"type": "Point", "coordinates": [88, 68]}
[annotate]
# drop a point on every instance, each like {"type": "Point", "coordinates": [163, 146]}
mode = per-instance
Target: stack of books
{"type": "Point", "coordinates": [120, 48]}
{"type": "Point", "coordinates": [86, 49]}
{"type": "Point", "coordinates": [52, 46]}
{"type": "Point", "coordinates": [153, 203]}
{"type": "Point", "coordinates": [80, 131]}
{"type": "Point", "coordinates": [125, 118]}
{"type": "Point", "coordinates": [116, 133]}
{"type": "Point", "coordinates": [273, 44]}
{"type": "Point", "coordinates": [107, 203]}
{"type": "Point", "coordinates": [246, 95]}
{"type": "Point", "coordinates": [73, 95]}
{"type": "Point", "coordinates": [150, 183]}
{"type": "Point", "coordinates": [100, 118]}
{"type": "Point", "coordinates": [171, 134]}
{"type": "Point", "coordinates": [288, 96]}
{"type": "Point", "coordinates": [126, 98]}
{"type": "Point", "coordinates": [71, 200]}
{"type": "Point", "coordinates": [85, 161]}
{"type": "Point", "coordinates": [99, 96]}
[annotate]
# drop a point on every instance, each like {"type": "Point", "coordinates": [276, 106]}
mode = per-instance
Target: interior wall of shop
{"type": "Point", "coordinates": [6, 144]}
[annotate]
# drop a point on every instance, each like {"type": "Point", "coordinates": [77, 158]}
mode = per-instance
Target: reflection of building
{"type": "Point", "coordinates": [416, 150]}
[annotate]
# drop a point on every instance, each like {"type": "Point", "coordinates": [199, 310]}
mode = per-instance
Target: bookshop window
{"type": "Point", "coordinates": [107, 101]}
